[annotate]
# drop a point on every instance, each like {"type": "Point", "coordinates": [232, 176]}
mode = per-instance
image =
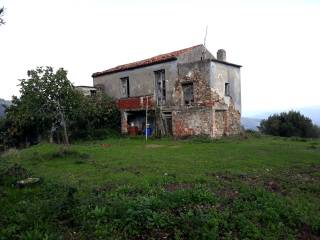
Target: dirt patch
{"type": "Point", "coordinates": [222, 176]}
{"type": "Point", "coordinates": [172, 187]}
{"type": "Point", "coordinates": [273, 186]}
{"type": "Point", "coordinates": [175, 146]}
{"type": "Point", "coordinates": [306, 233]}
{"type": "Point", "coordinates": [314, 168]}
{"type": "Point", "coordinates": [155, 234]}
{"type": "Point", "coordinates": [106, 145]}
{"type": "Point", "coordinates": [153, 146]}
{"type": "Point", "coordinates": [107, 187]}
{"type": "Point", "coordinates": [132, 170]}
{"type": "Point", "coordinates": [228, 193]}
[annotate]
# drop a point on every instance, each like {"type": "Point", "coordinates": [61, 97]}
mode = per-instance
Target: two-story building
{"type": "Point", "coordinates": [187, 92]}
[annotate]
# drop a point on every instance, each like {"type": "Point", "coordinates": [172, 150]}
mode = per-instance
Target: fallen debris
{"type": "Point", "coordinates": [153, 146]}
{"type": "Point", "coordinates": [172, 187]}
{"type": "Point", "coordinates": [27, 182]}
{"type": "Point", "coordinates": [106, 145]}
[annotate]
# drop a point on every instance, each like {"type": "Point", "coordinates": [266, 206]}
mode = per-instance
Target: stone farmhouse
{"type": "Point", "coordinates": [87, 90]}
{"type": "Point", "coordinates": [186, 92]}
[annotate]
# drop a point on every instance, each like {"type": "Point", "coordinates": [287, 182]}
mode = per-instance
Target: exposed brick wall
{"type": "Point", "coordinates": [226, 122]}
{"type": "Point", "coordinates": [188, 122]}
{"type": "Point", "coordinates": [233, 121]}
{"type": "Point", "coordinates": [135, 103]}
{"type": "Point", "coordinates": [124, 122]}
{"type": "Point", "coordinates": [209, 114]}
{"type": "Point", "coordinates": [220, 124]}
{"type": "Point", "coordinates": [197, 73]}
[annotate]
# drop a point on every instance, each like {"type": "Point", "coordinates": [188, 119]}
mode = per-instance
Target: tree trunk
{"type": "Point", "coordinates": [65, 132]}
{"type": "Point", "coordinates": [51, 133]}
{"type": "Point", "coordinates": [64, 125]}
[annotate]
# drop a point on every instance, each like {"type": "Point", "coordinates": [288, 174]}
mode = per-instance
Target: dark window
{"type": "Point", "coordinates": [160, 84]}
{"type": "Point", "coordinates": [93, 92]}
{"type": "Point", "coordinates": [188, 93]}
{"type": "Point", "coordinates": [125, 88]}
{"type": "Point", "coordinates": [227, 89]}
{"type": "Point", "coordinates": [100, 88]}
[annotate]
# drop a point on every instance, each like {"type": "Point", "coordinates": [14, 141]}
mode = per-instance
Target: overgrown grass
{"type": "Point", "coordinates": [235, 188]}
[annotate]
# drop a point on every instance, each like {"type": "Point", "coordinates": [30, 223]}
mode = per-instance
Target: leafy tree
{"type": "Point", "coordinates": [289, 124]}
{"type": "Point", "coordinates": [50, 106]}
{"type": "Point", "coordinates": [19, 126]}
{"type": "Point", "coordinates": [47, 101]}
{"type": "Point", "coordinates": [96, 113]}
{"type": "Point", "coordinates": [1, 16]}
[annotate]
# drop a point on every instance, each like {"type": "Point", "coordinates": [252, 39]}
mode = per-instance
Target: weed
{"type": "Point", "coordinates": [257, 188]}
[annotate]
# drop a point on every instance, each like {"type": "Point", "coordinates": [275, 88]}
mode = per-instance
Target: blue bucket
{"type": "Point", "coordinates": [149, 132]}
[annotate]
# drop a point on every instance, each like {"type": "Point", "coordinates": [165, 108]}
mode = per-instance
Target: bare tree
{"type": "Point", "coordinates": [1, 16]}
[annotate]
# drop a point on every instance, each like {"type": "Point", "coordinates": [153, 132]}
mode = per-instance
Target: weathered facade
{"type": "Point", "coordinates": [187, 92]}
{"type": "Point", "coordinates": [87, 90]}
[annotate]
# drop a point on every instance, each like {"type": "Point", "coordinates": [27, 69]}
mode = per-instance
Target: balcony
{"type": "Point", "coordinates": [136, 103]}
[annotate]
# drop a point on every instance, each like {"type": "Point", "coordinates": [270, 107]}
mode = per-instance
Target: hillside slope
{"type": "Point", "coordinates": [232, 188]}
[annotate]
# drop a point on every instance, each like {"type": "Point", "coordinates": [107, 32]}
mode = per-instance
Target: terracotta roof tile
{"type": "Point", "coordinates": [153, 60]}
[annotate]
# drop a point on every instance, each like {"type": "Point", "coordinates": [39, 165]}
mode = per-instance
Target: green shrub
{"type": "Point", "coordinates": [11, 174]}
{"type": "Point", "coordinates": [289, 124]}
{"type": "Point", "coordinates": [65, 153]}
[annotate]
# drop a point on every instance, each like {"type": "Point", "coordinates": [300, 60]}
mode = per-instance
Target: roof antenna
{"type": "Point", "coordinates": [204, 44]}
{"type": "Point", "coordinates": [205, 37]}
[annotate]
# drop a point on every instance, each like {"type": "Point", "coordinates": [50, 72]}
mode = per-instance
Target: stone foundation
{"type": "Point", "coordinates": [210, 114]}
{"type": "Point", "coordinates": [192, 121]}
{"type": "Point", "coordinates": [233, 121]}
{"type": "Point", "coordinates": [207, 121]}
{"type": "Point", "coordinates": [124, 122]}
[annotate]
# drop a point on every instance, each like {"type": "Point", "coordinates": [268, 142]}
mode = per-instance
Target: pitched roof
{"type": "Point", "coordinates": [149, 61]}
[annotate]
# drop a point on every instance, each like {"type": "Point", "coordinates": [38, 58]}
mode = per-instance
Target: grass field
{"type": "Point", "coordinates": [252, 188]}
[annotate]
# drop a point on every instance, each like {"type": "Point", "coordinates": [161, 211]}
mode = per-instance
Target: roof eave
{"type": "Point", "coordinates": [82, 86]}
{"type": "Point", "coordinates": [226, 63]}
{"type": "Point", "coordinates": [97, 74]}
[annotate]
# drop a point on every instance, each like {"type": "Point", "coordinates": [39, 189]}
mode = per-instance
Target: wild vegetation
{"type": "Point", "coordinates": [250, 187]}
{"type": "Point", "coordinates": [1, 16]}
{"type": "Point", "coordinates": [288, 124]}
{"type": "Point", "coordinates": [255, 187]}
{"type": "Point", "coordinates": [50, 108]}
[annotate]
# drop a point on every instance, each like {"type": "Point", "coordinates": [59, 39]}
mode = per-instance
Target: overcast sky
{"type": "Point", "coordinates": [276, 41]}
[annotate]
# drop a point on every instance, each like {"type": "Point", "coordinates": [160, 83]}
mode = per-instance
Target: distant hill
{"type": "Point", "coordinates": [251, 121]}
{"type": "Point", "coordinates": [2, 108]}
{"type": "Point", "coordinates": [313, 113]}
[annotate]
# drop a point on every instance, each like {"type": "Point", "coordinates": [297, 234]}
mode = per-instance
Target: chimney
{"type": "Point", "coordinates": [222, 55]}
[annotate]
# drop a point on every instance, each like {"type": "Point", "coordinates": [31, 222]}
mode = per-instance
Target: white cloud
{"type": "Point", "coordinates": [277, 42]}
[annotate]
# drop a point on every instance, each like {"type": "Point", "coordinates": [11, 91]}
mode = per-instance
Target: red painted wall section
{"type": "Point", "coordinates": [181, 130]}
{"type": "Point", "coordinates": [135, 103]}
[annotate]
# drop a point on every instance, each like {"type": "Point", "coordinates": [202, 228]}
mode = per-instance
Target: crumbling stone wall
{"type": "Point", "coordinates": [212, 113]}
{"type": "Point", "coordinates": [226, 122]}
{"type": "Point", "coordinates": [124, 122]}
{"type": "Point", "coordinates": [219, 123]}
{"type": "Point", "coordinates": [209, 112]}
{"type": "Point", "coordinates": [196, 118]}
{"type": "Point", "coordinates": [232, 121]}
{"type": "Point", "coordinates": [192, 121]}
{"type": "Point", "coordinates": [197, 73]}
